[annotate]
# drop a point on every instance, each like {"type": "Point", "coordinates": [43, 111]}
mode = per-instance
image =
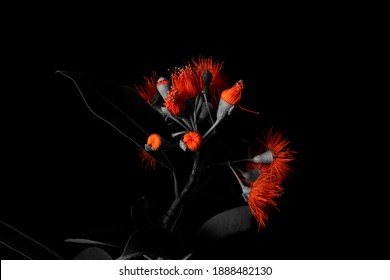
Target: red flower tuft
{"type": "Point", "coordinates": [175, 103]}
{"type": "Point", "coordinates": [282, 155]}
{"type": "Point", "coordinates": [148, 90]}
{"type": "Point", "coordinates": [218, 82]}
{"type": "Point", "coordinates": [264, 191]}
{"type": "Point", "coordinates": [150, 162]}
{"type": "Point", "coordinates": [186, 81]}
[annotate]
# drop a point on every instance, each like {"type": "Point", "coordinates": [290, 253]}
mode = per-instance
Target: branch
{"type": "Point", "coordinates": [177, 201]}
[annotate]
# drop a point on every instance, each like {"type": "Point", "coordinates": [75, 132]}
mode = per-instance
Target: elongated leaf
{"type": "Point", "coordinates": [115, 237]}
{"type": "Point", "coordinates": [88, 241]}
{"type": "Point", "coordinates": [93, 253]}
{"type": "Point", "coordinates": [227, 223]}
{"type": "Point", "coordinates": [24, 245]}
{"type": "Point", "coordinates": [122, 108]}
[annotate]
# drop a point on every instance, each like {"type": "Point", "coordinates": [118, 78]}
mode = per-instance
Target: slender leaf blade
{"type": "Point", "coordinates": [25, 245]}
{"type": "Point", "coordinates": [122, 108]}
{"type": "Point", "coordinates": [90, 242]}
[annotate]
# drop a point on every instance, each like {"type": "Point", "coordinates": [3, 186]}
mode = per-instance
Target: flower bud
{"type": "Point", "coordinates": [163, 86]}
{"type": "Point", "coordinates": [207, 77]}
{"type": "Point", "coordinates": [266, 157]}
{"type": "Point", "coordinates": [192, 141]}
{"type": "Point", "coordinates": [156, 142]}
{"type": "Point", "coordinates": [229, 98]}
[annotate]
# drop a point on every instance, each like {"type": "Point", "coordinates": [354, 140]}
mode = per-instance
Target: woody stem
{"type": "Point", "coordinates": [167, 217]}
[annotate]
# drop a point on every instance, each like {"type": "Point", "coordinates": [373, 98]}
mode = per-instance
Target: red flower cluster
{"type": "Point", "coordinates": [188, 96]}
{"type": "Point", "coordinates": [198, 91]}
{"type": "Point", "coordinates": [273, 160]}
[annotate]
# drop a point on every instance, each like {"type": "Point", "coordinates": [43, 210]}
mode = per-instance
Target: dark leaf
{"type": "Point", "coordinates": [93, 253]}
{"type": "Point", "coordinates": [116, 237]}
{"type": "Point", "coordinates": [88, 241]}
{"type": "Point", "coordinates": [229, 222]}
{"type": "Point", "coordinates": [121, 107]}
{"type": "Point", "coordinates": [24, 245]}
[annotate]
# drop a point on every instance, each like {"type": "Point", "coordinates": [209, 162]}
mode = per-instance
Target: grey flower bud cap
{"type": "Point", "coordinates": [266, 157]}
{"type": "Point", "coordinates": [207, 77]}
{"type": "Point", "coordinates": [163, 86]}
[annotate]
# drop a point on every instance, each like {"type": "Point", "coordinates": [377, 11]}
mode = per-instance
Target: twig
{"type": "Point", "coordinates": [167, 217]}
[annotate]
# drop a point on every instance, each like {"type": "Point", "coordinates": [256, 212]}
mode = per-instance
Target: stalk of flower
{"type": "Point", "coordinates": [229, 98]}
{"type": "Point", "coordinates": [180, 101]}
{"type": "Point", "coordinates": [205, 110]}
{"type": "Point", "coordinates": [245, 189]}
{"type": "Point", "coordinates": [250, 174]}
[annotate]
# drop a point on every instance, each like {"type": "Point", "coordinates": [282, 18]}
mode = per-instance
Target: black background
{"type": "Point", "coordinates": [67, 172]}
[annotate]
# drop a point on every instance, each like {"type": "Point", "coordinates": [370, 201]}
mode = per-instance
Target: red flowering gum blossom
{"type": "Point", "coordinates": [264, 191]}
{"type": "Point", "coordinates": [276, 155]}
{"type": "Point", "coordinates": [187, 82]}
{"type": "Point", "coordinates": [175, 103]}
{"type": "Point", "coordinates": [218, 83]}
{"type": "Point", "coordinates": [233, 94]}
{"type": "Point", "coordinates": [148, 90]}
{"type": "Point", "coordinates": [192, 140]}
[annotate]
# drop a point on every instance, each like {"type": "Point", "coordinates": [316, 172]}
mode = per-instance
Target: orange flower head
{"type": "Point", "coordinates": [233, 94]}
{"type": "Point", "coordinates": [218, 82]}
{"type": "Point", "coordinates": [276, 155]}
{"type": "Point", "coordinates": [148, 90]}
{"type": "Point", "coordinates": [262, 198]}
{"type": "Point", "coordinates": [175, 103]}
{"type": "Point", "coordinates": [193, 140]}
{"type": "Point", "coordinates": [186, 81]}
{"type": "Point", "coordinates": [154, 141]}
